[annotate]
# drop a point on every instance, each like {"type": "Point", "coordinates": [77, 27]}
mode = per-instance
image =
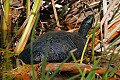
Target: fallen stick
{"type": "Point", "coordinates": [71, 67]}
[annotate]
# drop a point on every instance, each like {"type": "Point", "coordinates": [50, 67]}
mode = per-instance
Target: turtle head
{"type": "Point", "coordinates": [86, 25]}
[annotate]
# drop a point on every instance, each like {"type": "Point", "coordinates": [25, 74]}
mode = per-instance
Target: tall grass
{"type": "Point", "coordinates": [31, 43]}
{"type": "Point", "coordinates": [6, 15]}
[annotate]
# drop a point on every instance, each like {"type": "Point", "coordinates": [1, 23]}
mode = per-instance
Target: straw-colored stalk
{"type": "Point", "coordinates": [105, 16]}
{"type": "Point", "coordinates": [6, 15]}
{"type": "Point", "coordinates": [55, 13]}
{"type": "Point", "coordinates": [106, 22]}
{"type": "Point", "coordinates": [20, 46]}
{"type": "Point", "coordinates": [28, 8]}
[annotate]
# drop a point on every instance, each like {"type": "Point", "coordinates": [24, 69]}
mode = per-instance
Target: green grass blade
{"type": "Point", "coordinates": [31, 47]}
{"type": "Point", "coordinates": [44, 62]}
{"type": "Point", "coordinates": [47, 75]}
{"type": "Point", "coordinates": [72, 54]}
{"type": "Point", "coordinates": [110, 61]}
{"type": "Point", "coordinates": [91, 75]}
{"type": "Point", "coordinates": [83, 75]}
{"type": "Point", "coordinates": [57, 70]}
{"type": "Point", "coordinates": [73, 78]}
{"type": "Point", "coordinates": [85, 48]}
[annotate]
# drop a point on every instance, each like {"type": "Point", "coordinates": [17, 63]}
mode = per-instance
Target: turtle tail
{"type": "Point", "coordinates": [86, 25]}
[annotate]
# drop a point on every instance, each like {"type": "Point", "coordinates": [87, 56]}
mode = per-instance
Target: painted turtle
{"type": "Point", "coordinates": [58, 44]}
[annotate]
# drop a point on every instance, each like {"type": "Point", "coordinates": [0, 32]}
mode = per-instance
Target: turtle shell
{"type": "Point", "coordinates": [56, 44]}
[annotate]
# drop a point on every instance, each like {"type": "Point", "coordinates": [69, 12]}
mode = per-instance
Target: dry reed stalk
{"type": "Point", "coordinates": [21, 45]}
{"type": "Point", "coordinates": [105, 16]}
{"type": "Point", "coordinates": [112, 32]}
{"type": "Point", "coordinates": [106, 22]}
{"type": "Point", "coordinates": [103, 21]}
{"type": "Point", "coordinates": [55, 13]}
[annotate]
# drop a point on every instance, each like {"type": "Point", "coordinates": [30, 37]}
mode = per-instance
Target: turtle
{"type": "Point", "coordinates": [58, 44]}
